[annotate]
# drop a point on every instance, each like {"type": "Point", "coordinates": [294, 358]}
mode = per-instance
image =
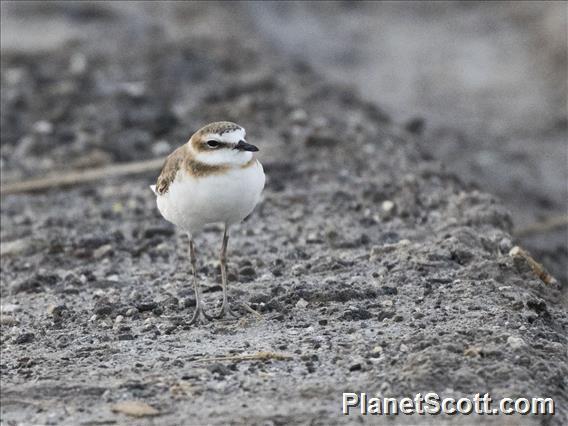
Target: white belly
{"type": "Point", "coordinates": [191, 203]}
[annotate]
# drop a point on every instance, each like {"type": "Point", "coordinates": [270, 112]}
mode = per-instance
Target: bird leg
{"type": "Point", "coordinates": [225, 309]}
{"type": "Point", "coordinates": [199, 316]}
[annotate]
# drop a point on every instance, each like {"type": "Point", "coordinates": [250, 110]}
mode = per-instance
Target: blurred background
{"type": "Point", "coordinates": [485, 82]}
{"type": "Point", "coordinates": [483, 85]}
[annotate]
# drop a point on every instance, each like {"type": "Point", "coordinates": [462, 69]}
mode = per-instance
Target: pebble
{"type": "Point", "coordinates": [8, 320]}
{"type": "Point", "coordinates": [537, 305]}
{"type": "Point", "coordinates": [515, 342]}
{"type": "Point", "coordinates": [170, 302]}
{"type": "Point", "coordinates": [219, 369]}
{"type": "Point", "coordinates": [163, 231]}
{"type": "Point", "coordinates": [331, 235]}
{"type": "Point", "coordinates": [302, 303]}
{"type": "Point", "coordinates": [415, 125]}
{"type": "Point", "coordinates": [455, 348]}
{"type": "Point", "coordinates": [78, 63]}
{"type": "Point", "coordinates": [9, 308]}
{"type": "Point", "coordinates": [247, 271]}
{"type": "Point", "coordinates": [388, 208]}
{"type": "Point", "coordinates": [377, 252]}
{"type": "Point", "coordinates": [134, 409]}
{"type": "Point", "coordinates": [299, 116]}
{"type": "Point", "coordinates": [102, 251]}
{"type": "Point", "coordinates": [106, 396]}
{"type": "Point", "coordinates": [555, 347]}
{"type": "Point", "coordinates": [377, 349]}
{"type": "Point", "coordinates": [14, 248]}
{"type": "Point", "coordinates": [103, 309]}
{"type": "Point", "coordinates": [105, 324]}
{"type": "Point", "coordinates": [117, 208]}
{"type": "Point", "coordinates": [356, 314]}
{"type": "Point", "coordinates": [298, 270]}
{"type": "Point", "coordinates": [43, 127]}
{"type": "Point", "coordinates": [297, 215]}
{"type": "Point", "coordinates": [56, 310]}
{"type": "Point", "coordinates": [24, 338]}
{"type": "Point", "coordinates": [356, 367]}
{"type": "Point", "coordinates": [386, 314]}
{"type": "Point", "coordinates": [131, 312]}
{"type": "Point", "coordinates": [126, 336]}
{"type": "Point", "coordinates": [313, 238]}
{"type": "Point", "coordinates": [35, 283]}
{"type": "Point", "coordinates": [134, 89]}
{"type": "Point", "coordinates": [321, 138]}
{"type": "Point", "coordinates": [473, 351]}
{"type": "Point", "coordinates": [14, 75]}
{"type": "Point", "coordinates": [147, 306]}
{"type": "Point", "coordinates": [389, 291]}
{"type": "Point", "coordinates": [505, 245]}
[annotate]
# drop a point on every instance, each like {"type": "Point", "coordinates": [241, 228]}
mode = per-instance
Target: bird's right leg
{"type": "Point", "coordinates": [199, 316]}
{"type": "Point", "coordinates": [225, 310]}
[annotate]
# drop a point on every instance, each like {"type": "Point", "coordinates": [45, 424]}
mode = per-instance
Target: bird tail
{"type": "Point", "coordinates": [153, 188]}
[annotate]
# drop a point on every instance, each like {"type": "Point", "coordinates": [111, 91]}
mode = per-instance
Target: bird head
{"type": "Point", "coordinates": [221, 142]}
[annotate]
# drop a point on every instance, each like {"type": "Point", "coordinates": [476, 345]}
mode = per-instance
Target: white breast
{"type": "Point", "coordinates": [191, 203]}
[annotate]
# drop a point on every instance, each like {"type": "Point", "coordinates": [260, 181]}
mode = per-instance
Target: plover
{"type": "Point", "coordinates": [213, 178]}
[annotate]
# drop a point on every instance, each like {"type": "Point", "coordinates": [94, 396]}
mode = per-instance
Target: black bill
{"type": "Point", "coordinates": [243, 146]}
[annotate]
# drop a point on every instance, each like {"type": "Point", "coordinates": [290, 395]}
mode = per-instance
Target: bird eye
{"type": "Point", "coordinates": [213, 144]}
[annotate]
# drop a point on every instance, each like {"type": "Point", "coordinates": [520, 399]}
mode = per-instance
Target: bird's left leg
{"type": "Point", "coordinates": [225, 309]}
{"type": "Point", "coordinates": [199, 316]}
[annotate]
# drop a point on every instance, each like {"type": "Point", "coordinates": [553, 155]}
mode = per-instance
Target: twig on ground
{"type": "Point", "coordinates": [21, 401]}
{"type": "Point", "coordinates": [84, 176]}
{"type": "Point", "coordinates": [251, 310]}
{"type": "Point", "coordinates": [260, 356]}
{"type": "Point", "coordinates": [537, 268]}
{"type": "Point", "coordinates": [545, 226]}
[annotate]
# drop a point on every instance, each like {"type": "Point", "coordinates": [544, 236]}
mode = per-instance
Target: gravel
{"type": "Point", "coordinates": [372, 268]}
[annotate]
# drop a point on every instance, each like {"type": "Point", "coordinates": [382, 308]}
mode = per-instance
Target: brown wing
{"type": "Point", "coordinates": [169, 171]}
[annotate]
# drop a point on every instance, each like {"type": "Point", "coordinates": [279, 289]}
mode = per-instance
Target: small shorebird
{"type": "Point", "coordinates": [213, 178]}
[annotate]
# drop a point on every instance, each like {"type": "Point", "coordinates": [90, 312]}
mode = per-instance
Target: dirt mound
{"type": "Point", "coordinates": [371, 268]}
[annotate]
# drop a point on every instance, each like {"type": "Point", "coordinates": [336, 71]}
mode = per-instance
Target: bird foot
{"type": "Point", "coordinates": [227, 312]}
{"type": "Point", "coordinates": [200, 317]}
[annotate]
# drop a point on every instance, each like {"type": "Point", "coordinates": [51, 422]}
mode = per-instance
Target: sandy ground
{"type": "Point", "coordinates": [487, 81]}
{"type": "Point", "coordinates": [372, 268]}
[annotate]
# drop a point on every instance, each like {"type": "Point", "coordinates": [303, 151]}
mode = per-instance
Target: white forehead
{"type": "Point", "coordinates": [233, 136]}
